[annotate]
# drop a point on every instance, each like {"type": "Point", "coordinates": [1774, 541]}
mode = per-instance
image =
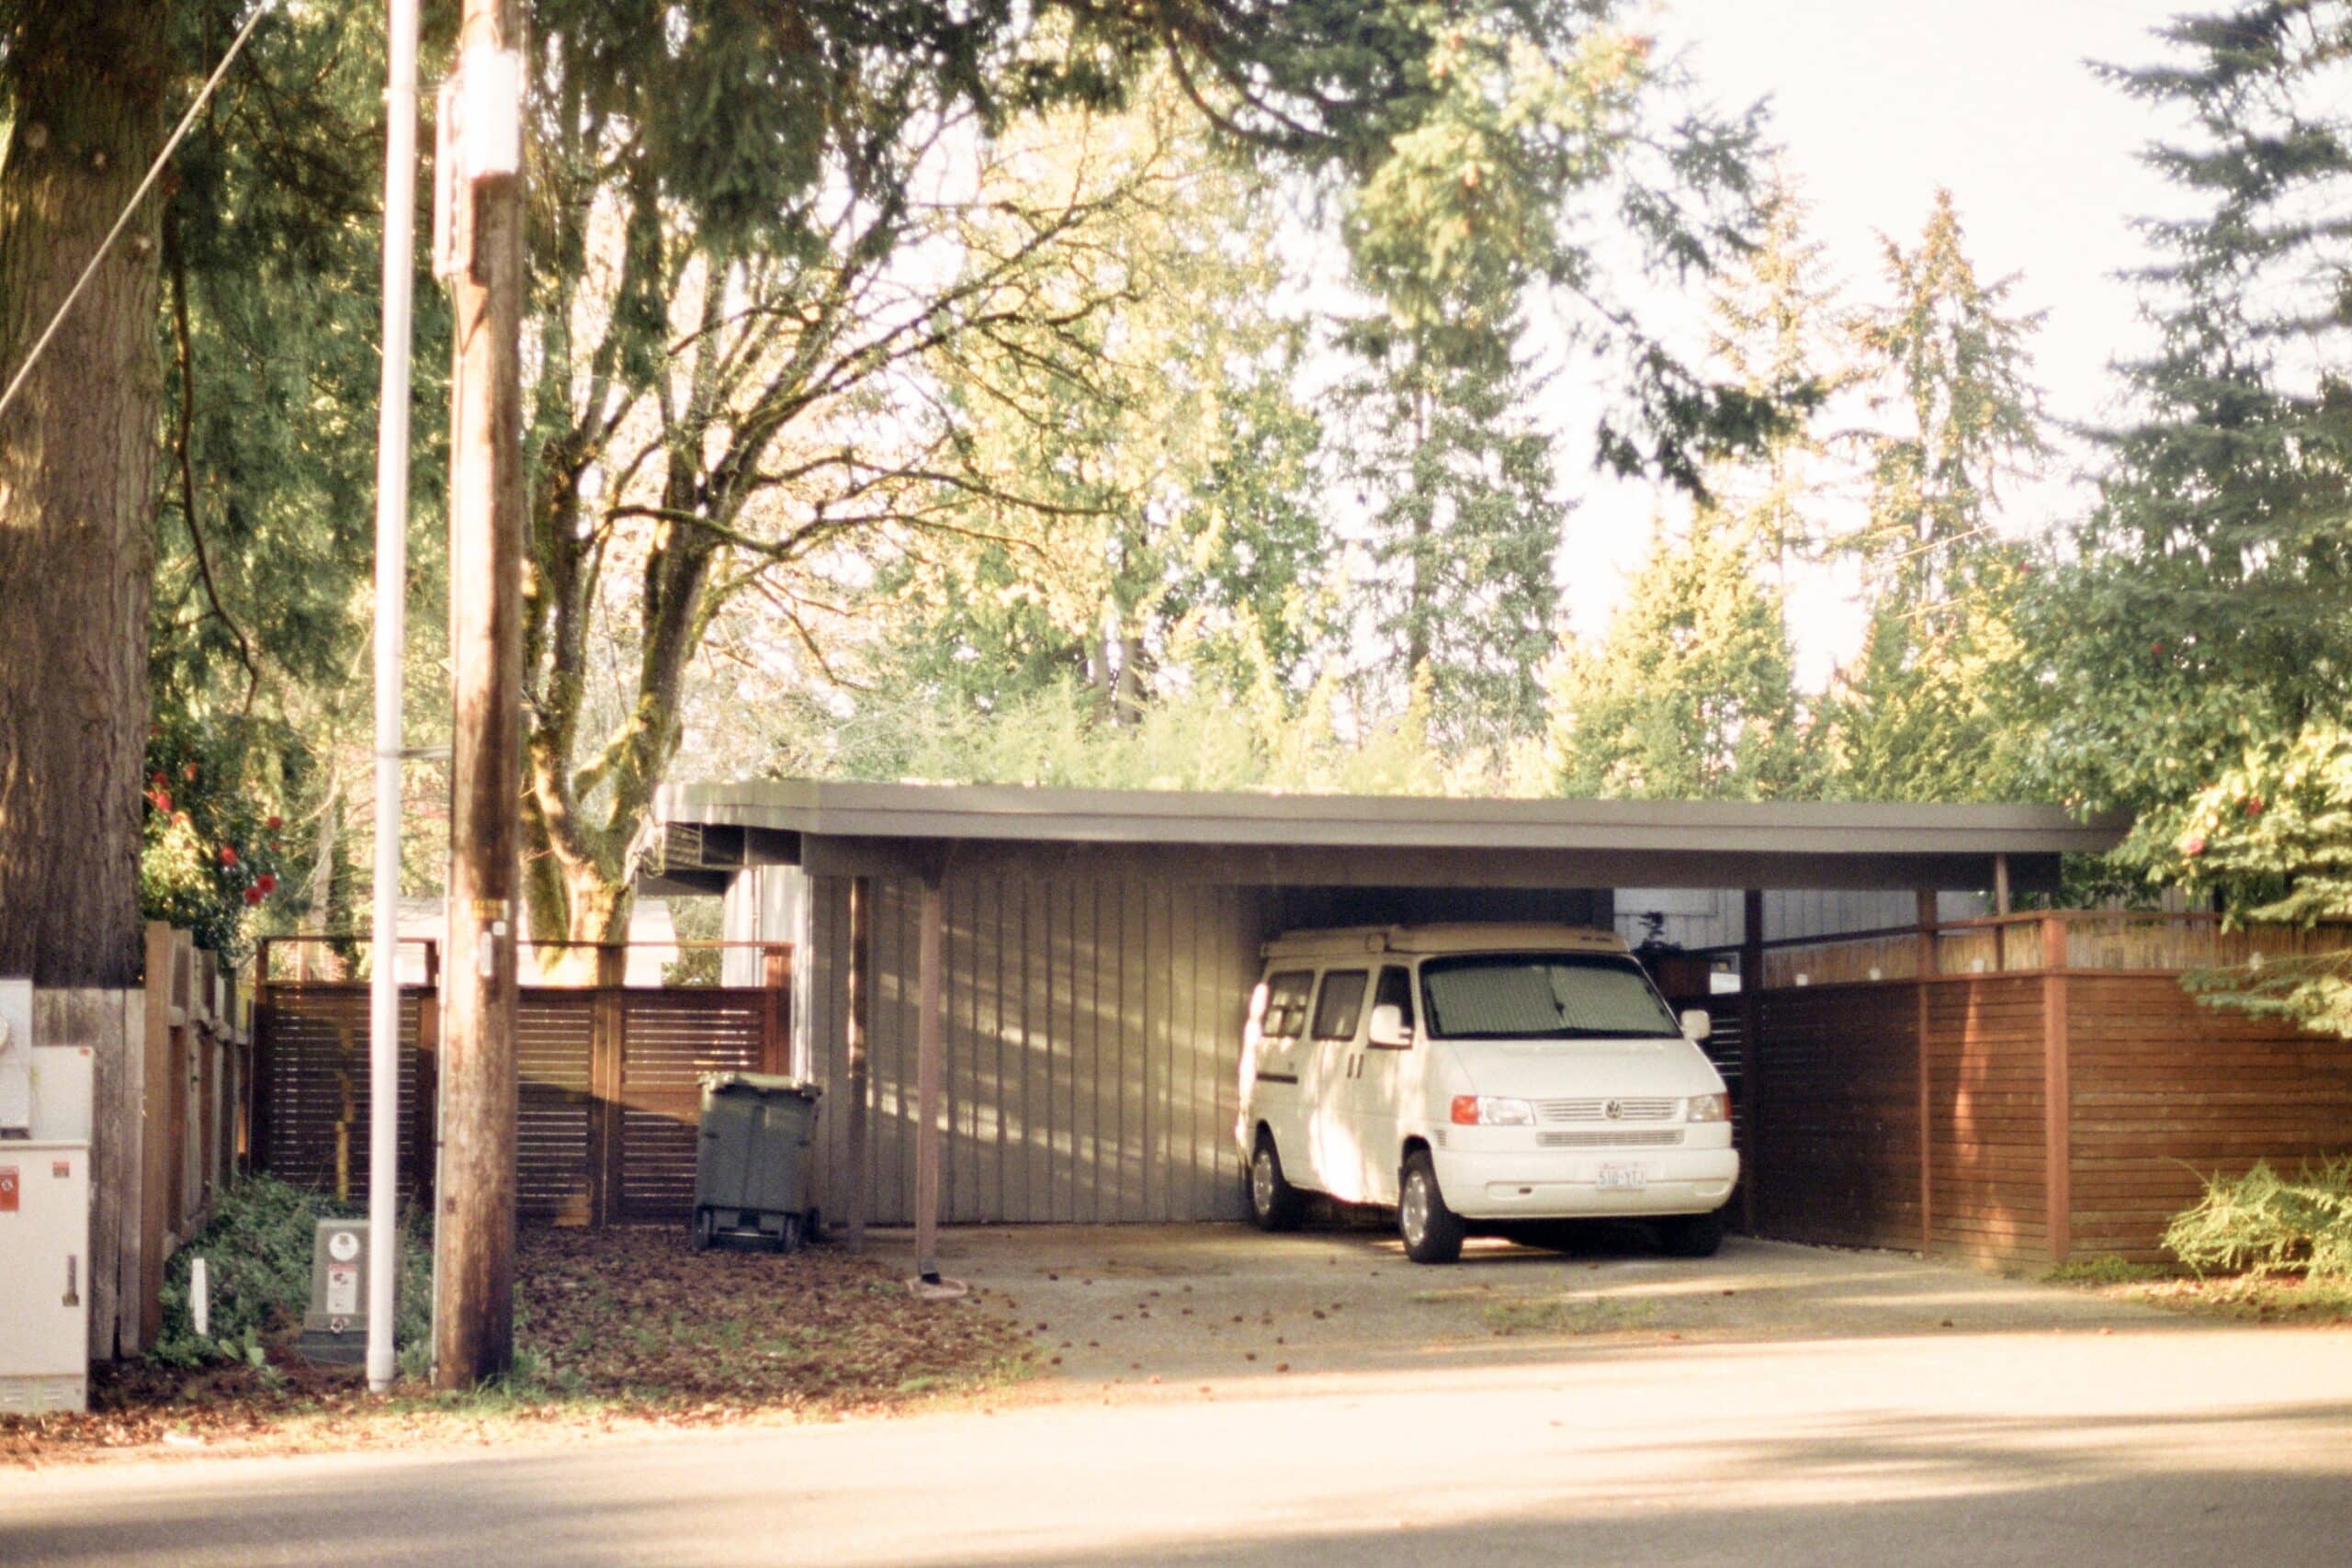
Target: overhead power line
{"type": "Point", "coordinates": [40, 345]}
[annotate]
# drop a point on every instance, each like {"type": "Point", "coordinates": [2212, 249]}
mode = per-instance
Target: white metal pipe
{"type": "Point", "coordinates": [392, 599]}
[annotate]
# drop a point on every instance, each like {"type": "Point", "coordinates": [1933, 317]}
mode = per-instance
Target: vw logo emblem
{"type": "Point", "coordinates": [1614, 1110]}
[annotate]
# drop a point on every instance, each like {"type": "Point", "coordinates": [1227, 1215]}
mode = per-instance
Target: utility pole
{"type": "Point", "coordinates": [391, 647]}
{"type": "Point", "coordinates": [479, 237]}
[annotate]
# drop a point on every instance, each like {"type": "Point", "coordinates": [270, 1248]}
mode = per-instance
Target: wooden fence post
{"type": "Point", "coordinates": [2057, 1092]}
{"type": "Point", "coordinates": [607, 1027]}
{"type": "Point", "coordinates": [1924, 971]}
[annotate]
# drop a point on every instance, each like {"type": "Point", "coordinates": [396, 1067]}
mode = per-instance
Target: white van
{"type": "Point", "coordinates": [1479, 1072]}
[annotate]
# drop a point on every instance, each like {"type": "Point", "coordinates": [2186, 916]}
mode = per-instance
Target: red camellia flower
{"type": "Point", "coordinates": [274, 823]}
{"type": "Point", "coordinates": [228, 855]}
{"type": "Point", "coordinates": [266, 881]}
{"type": "Point", "coordinates": [189, 773]}
{"type": "Point", "coordinates": [253, 894]}
{"type": "Point", "coordinates": [2157, 648]}
{"type": "Point", "coordinates": [2253, 805]}
{"type": "Point", "coordinates": [2194, 847]}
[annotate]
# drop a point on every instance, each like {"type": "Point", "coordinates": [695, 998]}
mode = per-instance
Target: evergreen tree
{"type": "Point", "coordinates": [1928, 714]}
{"type": "Point", "coordinates": [1776, 334]}
{"type": "Point", "coordinates": [2198, 655]}
{"type": "Point", "coordinates": [1691, 695]}
{"type": "Point", "coordinates": [1457, 481]}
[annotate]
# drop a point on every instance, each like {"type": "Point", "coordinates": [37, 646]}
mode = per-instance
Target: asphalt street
{"type": "Point", "coordinates": [2083, 1447]}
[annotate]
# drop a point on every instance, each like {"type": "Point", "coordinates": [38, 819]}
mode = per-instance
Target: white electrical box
{"type": "Point", "coordinates": [45, 1241]}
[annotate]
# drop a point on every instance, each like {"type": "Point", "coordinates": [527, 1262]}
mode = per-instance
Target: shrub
{"type": "Point", "coordinates": [257, 1250]}
{"type": "Point", "coordinates": [2262, 1222]}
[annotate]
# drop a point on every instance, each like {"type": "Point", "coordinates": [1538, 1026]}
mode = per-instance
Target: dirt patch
{"type": "Point", "coordinates": [615, 1328]}
{"type": "Point", "coordinates": [2275, 1298]}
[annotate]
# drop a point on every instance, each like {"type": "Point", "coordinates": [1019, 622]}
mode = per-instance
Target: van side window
{"type": "Point", "coordinates": [1341, 1004]}
{"type": "Point", "coordinates": [1396, 990]}
{"type": "Point", "coordinates": [1286, 1004]}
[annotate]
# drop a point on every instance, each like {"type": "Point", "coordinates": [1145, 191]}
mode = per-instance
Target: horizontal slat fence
{"type": "Point", "coordinates": [2073, 1097]}
{"type": "Point", "coordinates": [609, 1090]}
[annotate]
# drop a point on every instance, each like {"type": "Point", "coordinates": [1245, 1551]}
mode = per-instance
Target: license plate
{"type": "Point", "coordinates": [1627, 1175]}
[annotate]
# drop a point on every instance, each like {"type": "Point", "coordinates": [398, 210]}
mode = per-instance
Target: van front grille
{"type": "Point", "coordinates": [1647, 1110]}
{"type": "Point", "coordinates": [1662, 1139]}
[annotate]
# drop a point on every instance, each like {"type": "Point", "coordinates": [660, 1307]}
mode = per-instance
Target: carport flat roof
{"type": "Point", "coordinates": [851, 827]}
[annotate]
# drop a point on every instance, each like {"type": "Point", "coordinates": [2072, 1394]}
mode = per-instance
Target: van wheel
{"type": "Point", "coordinates": [1692, 1236]}
{"type": "Point", "coordinates": [1274, 1203]}
{"type": "Point", "coordinates": [1432, 1231]}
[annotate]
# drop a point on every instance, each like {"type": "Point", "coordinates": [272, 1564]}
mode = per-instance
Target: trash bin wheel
{"type": "Point", "coordinates": [705, 1229]}
{"type": "Point", "coordinates": [788, 1235]}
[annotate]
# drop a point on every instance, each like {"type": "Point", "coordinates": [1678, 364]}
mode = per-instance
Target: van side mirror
{"type": "Point", "coordinates": [1697, 1025]}
{"type": "Point", "coordinates": [1389, 1031]}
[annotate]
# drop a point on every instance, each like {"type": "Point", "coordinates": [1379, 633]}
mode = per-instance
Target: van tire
{"type": "Point", "coordinates": [1274, 1203]}
{"type": "Point", "coordinates": [1692, 1236]}
{"type": "Point", "coordinates": [1431, 1232]}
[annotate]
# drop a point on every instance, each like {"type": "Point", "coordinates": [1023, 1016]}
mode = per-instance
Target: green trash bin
{"type": "Point", "coordinates": [754, 1160]}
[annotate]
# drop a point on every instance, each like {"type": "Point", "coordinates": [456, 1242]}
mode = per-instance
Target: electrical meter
{"type": "Point", "coordinates": [335, 1329]}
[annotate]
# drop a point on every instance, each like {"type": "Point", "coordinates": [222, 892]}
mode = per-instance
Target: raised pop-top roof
{"type": "Point", "coordinates": [1451, 936]}
{"type": "Point", "coordinates": [834, 827]}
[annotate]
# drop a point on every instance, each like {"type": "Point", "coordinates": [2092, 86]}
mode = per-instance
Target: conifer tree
{"type": "Point", "coordinates": [1691, 695]}
{"type": "Point", "coordinates": [2199, 658]}
{"type": "Point", "coordinates": [1924, 715]}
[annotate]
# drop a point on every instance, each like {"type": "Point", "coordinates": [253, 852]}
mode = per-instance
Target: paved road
{"type": "Point", "coordinates": [2076, 1447]}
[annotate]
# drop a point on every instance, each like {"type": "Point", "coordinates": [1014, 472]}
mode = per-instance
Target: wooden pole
{"type": "Point", "coordinates": [860, 1064]}
{"type": "Point", "coordinates": [1751, 1045]}
{"type": "Point", "coordinates": [473, 1329]}
{"type": "Point", "coordinates": [933, 923]}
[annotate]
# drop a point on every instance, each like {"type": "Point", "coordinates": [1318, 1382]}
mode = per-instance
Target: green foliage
{"type": "Point", "coordinates": [1691, 695]}
{"type": "Point", "coordinates": [211, 855]}
{"type": "Point", "coordinates": [2262, 1222]}
{"type": "Point", "coordinates": [2272, 834]}
{"type": "Point", "coordinates": [2207, 609]}
{"type": "Point", "coordinates": [1053, 736]}
{"type": "Point", "coordinates": [1931, 714]}
{"type": "Point", "coordinates": [258, 1252]}
{"type": "Point", "coordinates": [2194, 656]}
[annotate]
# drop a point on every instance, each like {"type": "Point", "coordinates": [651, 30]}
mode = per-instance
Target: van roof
{"type": "Point", "coordinates": [1454, 936]}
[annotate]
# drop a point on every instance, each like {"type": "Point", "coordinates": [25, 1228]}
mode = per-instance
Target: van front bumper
{"type": "Point", "coordinates": [1548, 1185]}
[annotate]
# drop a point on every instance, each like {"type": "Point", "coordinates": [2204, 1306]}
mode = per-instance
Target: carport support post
{"type": "Point", "coordinates": [860, 1064]}
{"type": "Point", "coordinates": [927, 1080]}
{"type": "Point", "coordinates": [1752, 1014]}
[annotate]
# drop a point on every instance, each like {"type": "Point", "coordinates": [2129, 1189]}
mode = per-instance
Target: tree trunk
{"type": "Point", "coordinates": [86, 79]}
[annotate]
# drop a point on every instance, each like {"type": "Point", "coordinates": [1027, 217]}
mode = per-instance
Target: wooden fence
{"type": "Point", "coordinates": [609, 1086]}
{"type": "Point", "coordinates": [2060, 1094]}
{"type": "Point", "coordinates": [171, 1064]}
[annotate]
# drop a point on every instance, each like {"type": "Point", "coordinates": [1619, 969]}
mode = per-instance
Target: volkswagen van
{"type": "Point", "coordinates": [1473, 1075]}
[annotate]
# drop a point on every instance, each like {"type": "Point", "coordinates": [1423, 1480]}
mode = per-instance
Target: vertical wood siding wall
{"type": "Point", "coordinates": [1093, 1034]}
{"type": "Point", "coordinates": [1987, 1133]}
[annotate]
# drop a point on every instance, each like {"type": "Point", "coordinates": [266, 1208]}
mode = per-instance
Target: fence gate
{"type": "Point", "coordinates": [609, 1079]}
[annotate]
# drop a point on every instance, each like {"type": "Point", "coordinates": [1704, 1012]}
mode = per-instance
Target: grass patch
{"type": "Point", "coordinates": [2105, 1269]}
{"type": "Point", "coordinates": [1565, 1315]}
{"type": "Point", "coordinates": [2267, 1298]}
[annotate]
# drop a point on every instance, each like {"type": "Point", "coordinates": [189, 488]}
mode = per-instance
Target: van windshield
{"type": "Point", "coordinates": [1542, 996]}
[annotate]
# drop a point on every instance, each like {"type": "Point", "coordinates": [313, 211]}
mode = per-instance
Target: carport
{"type": "Point", "coordinates": [1026, 1004]}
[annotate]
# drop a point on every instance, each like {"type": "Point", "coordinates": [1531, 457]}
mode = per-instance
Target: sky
{"type": "Point", "coordinates": [1877, 103]}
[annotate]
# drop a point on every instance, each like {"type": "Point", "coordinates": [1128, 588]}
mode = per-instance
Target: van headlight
{"type": "Point", "coordinates": [1486, 1110]}
{"type": "Point", "coordinates": [1710, 1107]}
